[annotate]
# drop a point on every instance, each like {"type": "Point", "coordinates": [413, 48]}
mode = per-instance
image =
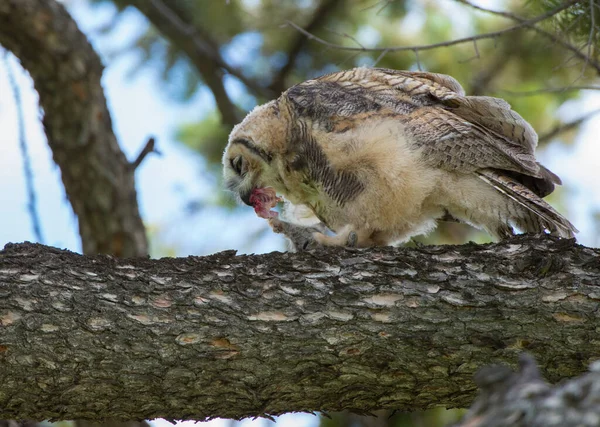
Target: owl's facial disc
{"type": "Point", "coordinates": [262, 198]}
{"type": "Point", "coordinates": [247, 162]}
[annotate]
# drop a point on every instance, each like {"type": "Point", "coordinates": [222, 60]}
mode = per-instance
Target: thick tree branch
{"type": "Point", "coordinates": [234, 336]}
{"type": "Point", "coordinates": [417, 48]}
{"type": "Point", "coordinates": [66, 72]}
{"type": "Point", "coordinates": [202, 51]}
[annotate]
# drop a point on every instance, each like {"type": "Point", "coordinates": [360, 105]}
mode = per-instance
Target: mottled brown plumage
{"type": "Point", "coordinates": [380, 155]}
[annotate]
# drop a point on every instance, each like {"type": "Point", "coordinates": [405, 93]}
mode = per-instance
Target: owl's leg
{"type": "Point", "coordinates": [300, 238]}
{"type": "Point", "coordinates": [346, 237]}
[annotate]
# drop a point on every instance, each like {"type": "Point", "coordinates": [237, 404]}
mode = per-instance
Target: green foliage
{"type": "Point", "coordinates": [206, 137]}
{"type": "Point", "coordinates": [517, 61]}
{"type": "Point", "coordinates": [576, 22]}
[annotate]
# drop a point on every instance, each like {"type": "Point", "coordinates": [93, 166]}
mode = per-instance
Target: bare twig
{"type": "Point", "coordinates": [553, 37]}
{"type": "Point", "coordinates": [28, 172]}
{"type": "Point", "coordinates": [148, 148]}
{"type": "Point", "coordinates": [348, 58]}
{"type": "Point", "coordinates": [348, 36]}
{"type": "Point", "coordinates": [490, 35]}
{"type": "Point", "coordinates": [386, 3]}
{"type": "Point", "coordinates": [548, 90]}
{"type": "Point", "coordinates": [482, 80]}
{"type": "Point", "coordinates": [417, 59]}
{"type": "Point", "coordinates": [380, 57]}
{"type": "Point", "coordinates": [476, 56]}
{"type": "Point", "coordinates": [566, 126]}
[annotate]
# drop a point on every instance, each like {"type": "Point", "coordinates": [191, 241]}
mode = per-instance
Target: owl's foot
{"type": "Point", "coordinates": [352, 240]}
{"type": "Point", "coordinates": [345, 237]}
{"type": "Point", "coordinates": [306, 238]}
{"type": "Point", "coordinates": [300, 238]}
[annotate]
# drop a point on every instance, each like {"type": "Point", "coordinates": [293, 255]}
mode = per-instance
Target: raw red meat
{"type": "Point", "coordinates": [263, 199]}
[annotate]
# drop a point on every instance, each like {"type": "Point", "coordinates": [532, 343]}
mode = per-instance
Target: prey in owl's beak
{"type": "Point", "coordinates": [262, 200]}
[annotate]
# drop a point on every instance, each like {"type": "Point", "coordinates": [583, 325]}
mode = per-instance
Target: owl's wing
{"type": "Point", "coordinates": [454, 131]}
{"type": "Point", "coordinates": [467, 134]}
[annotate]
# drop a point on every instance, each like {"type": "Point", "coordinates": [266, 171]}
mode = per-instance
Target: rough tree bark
{"type": "Point", "coordinates": [235, 336]}
{"type": "Point", "coordinates": [66, 72]}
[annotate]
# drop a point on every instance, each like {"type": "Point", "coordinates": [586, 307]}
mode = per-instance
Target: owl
{"type": "Point", "coordinates": [374, 156]}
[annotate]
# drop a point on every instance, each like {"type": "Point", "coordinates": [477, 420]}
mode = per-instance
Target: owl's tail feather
{"type": "Point", "coordinates": [539, 216]}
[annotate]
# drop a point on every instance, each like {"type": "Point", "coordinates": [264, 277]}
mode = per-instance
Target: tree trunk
{"type": "Point", "coordinates": [66, 72]}
{"type": "Point", "coordinates": [236, 336]}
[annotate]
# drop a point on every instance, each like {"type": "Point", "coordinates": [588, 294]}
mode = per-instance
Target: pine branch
{"type": "Point", "coordinates": [417, 48]}
{"type": "Point", "coordinates": [587, 58]}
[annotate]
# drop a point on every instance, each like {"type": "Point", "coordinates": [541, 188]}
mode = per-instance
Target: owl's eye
{"type": "Point", "coordinates": [238, 165]}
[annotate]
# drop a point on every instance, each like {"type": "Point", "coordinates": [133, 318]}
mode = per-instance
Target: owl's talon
{"type": "Point", "coordinates": [417, 243]}
{"type": "Point", "coordinates": [320, 238]}
{"type": "Point", "coordinates": [300, 238]}
{"type": "Point", "coordinates": [352, 239]}
{"type": "Point", "coordinates": [276, 225]}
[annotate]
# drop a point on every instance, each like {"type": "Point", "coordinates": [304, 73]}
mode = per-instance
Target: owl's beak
{"type": "Point", "coordinates": [245, 196]}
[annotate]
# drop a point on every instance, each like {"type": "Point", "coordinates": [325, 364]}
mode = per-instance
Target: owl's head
{"type": "Point", "coordinates": [250, 158]}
